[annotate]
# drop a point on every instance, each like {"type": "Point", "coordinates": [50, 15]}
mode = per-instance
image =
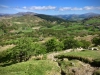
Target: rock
{"type": "Point", "coordinates": [65, 59]}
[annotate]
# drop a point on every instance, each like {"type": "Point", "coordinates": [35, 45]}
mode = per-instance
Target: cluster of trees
{"type": "Point", "coordinates": [23, 50]}
{"type": "Point", "coordinates": [72, 43]}
{"type": "Point", "coordinates": [56, 45]}
{"type": "Point", "coordinates": [26, 47]}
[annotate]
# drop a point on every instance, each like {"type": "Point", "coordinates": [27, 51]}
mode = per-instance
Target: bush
{"type": "Point", "coordinates": [54, 45]}
{"type": "Point", "coordinates": [24, 50]}
{"type": "Point", "coordinates": [96, 41]}
{"type": "Point", "coordinates": [85, 44]}
{"type": "Point", "coordinates": [71, 43]}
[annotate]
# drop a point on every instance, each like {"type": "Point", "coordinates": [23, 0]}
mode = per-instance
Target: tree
{"type": "Point", "coordinates": [70, 43]}
{"type": "Point", "coordinates": [54, 45]}
{"type": "Point", "coordinates": [39, 49]}
{"type": "Point", "coordinates": [21, 52]}
{"type": "Point", "coordinates": [25, 49]}
{"type": "Point", "coordinates": [96, 41]}
{"type": "Point", "coordinates": [85, 44]}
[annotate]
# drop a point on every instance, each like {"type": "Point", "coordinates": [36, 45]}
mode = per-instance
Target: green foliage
{"type": "Point", "coordinates": [53, 45]}
{"type": "Point", "coordinates": [24, 49]}
{"type": "Point", "coordinates": [31, 67]}
{"type": "Point", "coordinates": [71, 43]}
{"type": "Point", "coordinates": [71, 57]}
{"type": "Point", "coordinates": [92, 21]}
{"type": "Point", "coordinates": [85, 44]}
{"type": "Point", "coordinates": [51, 18]}
{"type": "Point", "coordinates": [92, 57]}
{"type": "Point", "coordinates": [96, 41]}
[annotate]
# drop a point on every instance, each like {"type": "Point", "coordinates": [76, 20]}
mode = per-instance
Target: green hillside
{"type": "Point", "coordinates": [29, 44]}
{"type": "Point", "coordinates": [31, 67]}
{"type": "Point", "coordinates": [93, 21]}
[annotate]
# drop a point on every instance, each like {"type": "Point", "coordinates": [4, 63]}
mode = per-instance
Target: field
{"type": "Point", "coordinates": [31, 67]}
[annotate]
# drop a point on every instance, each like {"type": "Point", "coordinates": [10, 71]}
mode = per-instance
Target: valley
{"type": "Point", "coordinates": [39, 44]}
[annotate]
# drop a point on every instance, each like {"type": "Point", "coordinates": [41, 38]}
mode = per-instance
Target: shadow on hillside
{"type": "Point", "coordinates": [6, 64]}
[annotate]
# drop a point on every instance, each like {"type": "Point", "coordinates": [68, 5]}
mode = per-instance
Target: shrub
{"type": "Point", "coordinates": [24, 50]}
{"type": "Point", "coordinates": [85, 44]}
{"type": "Point", "coordinates": [96, 41]}
{"type": "Point", "coordinates": [54, 45]}
{"type": "Point", "coordinates": [71, 43]}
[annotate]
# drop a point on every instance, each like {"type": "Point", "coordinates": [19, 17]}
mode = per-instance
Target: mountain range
{"type": "Point", "coordinates": [75, 17]}
{"type": "Point", "coordinates": [70, 17]}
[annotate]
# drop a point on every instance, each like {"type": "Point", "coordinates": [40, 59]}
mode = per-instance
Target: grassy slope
{"type": "Point", "coordinates": [91, 54]}
{"type": "Point", "coordinates": [31, 67]}
{"type": "Point", "coordinates": [92, 57]}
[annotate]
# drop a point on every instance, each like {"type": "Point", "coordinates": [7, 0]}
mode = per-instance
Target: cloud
{"type": "Point", "coordinates": [69, 8]}
{"type": "Point", "coordinates": [39, 8]}
{"type": "Point", "coordinates": [89, 8]}
{"type": "Point", "coordinates": [76, 8]}
{"type": "Point", "coordinates": [4, 6]}
{"type": "Point", "coordinates": [65, 8]}
{"type": "Point", "coordinates": [31, 8]}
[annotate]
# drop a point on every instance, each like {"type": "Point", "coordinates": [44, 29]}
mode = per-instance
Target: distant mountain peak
{"type": "Point", "coordinates": [26, 13]}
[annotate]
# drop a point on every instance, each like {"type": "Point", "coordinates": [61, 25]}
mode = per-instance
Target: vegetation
{"type": "Point", "coordinates": [36, 35]}
{"type": "Point", "coordinates": [32, 67]}
{"type": "Point", "coordinates": [53, 45]}
{"type": "Point", "coordinates": [92, 57]}
{"type": "Point", "coordinates": [96, 41]}
{"type": "Point", "coordinates": [24, 49]}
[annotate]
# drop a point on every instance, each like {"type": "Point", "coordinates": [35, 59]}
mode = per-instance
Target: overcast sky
{"type": "Point", "coordinates": [51, 7]}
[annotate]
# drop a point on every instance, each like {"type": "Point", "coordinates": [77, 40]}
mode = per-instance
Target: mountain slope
{"type": "Point", "coordinates": [51, 18]}
{"type": "Point", "coordinates": [92, 21]}
{"type": "Point", "coordinates": [75, 17]}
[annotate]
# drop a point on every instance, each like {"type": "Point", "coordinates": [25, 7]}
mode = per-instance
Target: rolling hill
{"type": "Point", "coordinates": [29, 43]}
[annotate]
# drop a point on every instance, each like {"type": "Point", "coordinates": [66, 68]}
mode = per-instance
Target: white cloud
{"type": "Point", "coordinates": [31, 8]}
{"type": "Point", "coordinates": [24, 7]}
{"type": "Point", "coordinates": [65, 8]}
{"type": "Point", "coordinates": [89, 8]}
{"type": "Point", "coordinates": [76, 8]}
{"type": "Point", "coordinates": [69, 8]}
{"type": "Point", "coordinates": [40, 8]}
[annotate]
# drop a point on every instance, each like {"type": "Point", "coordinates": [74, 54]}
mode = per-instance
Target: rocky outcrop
{"type": "Point", "coordinates": [76, 67]}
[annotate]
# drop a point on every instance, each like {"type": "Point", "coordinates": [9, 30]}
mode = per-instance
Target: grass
{"type": "Point", "coordinates": [93, 21]}
{"type": "Point", "coordinates": [58, 27]}
{"type": "Point", "coordinates": [91, 57]}
{"type": "Point", "coordinates": [87, 54]}
{"type": "Point", "coordinates": [31, 67]}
